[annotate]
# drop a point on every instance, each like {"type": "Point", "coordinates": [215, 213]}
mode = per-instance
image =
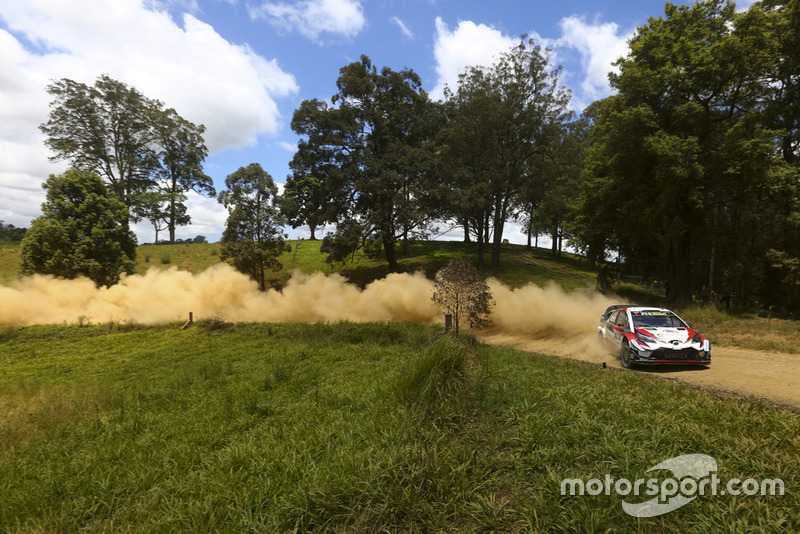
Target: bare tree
{"type": "Point", "coordinates": [460, 291]}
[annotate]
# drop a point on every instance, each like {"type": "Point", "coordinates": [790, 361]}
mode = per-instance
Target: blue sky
{"type": "Point", "coordinates": [241, 67]}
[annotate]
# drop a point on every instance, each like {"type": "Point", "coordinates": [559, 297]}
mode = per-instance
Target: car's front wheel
{"type": "Point", "coordinates": [625, 355]}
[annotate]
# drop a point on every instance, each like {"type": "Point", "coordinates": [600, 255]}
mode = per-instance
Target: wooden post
{"type": "Point", "coordinates": [189, 322]}
{"type": "Point", "coordinates": [448, 322]}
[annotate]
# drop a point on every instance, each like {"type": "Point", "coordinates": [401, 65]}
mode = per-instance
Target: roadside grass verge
{"type": "Point", "coordinates": [344, 427]}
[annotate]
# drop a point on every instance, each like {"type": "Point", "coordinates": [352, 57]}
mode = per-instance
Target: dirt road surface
{"type": "Point", "coordinates": [767, 375]}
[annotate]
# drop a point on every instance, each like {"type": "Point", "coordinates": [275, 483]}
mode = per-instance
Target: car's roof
{"type": "Point", "coordinates": [648, 308]}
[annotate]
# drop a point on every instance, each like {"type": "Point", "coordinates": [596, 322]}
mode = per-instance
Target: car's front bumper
{"type": "Point", "coordinates": [669, 356]}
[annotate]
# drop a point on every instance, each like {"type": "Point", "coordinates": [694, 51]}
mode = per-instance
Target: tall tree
{"type": "Point", "coordinates": [372, 152]}
{"type": "Point", "coordinates": [82, 231]}
{"type": "Point", "coordinates": [506, 117]}
{"type": "Point", "coordinates": [253, 238]}
{"type": "Point", "coordinates": [680, 144]}
{"type": "Point", "coordinates": [181, 153]}
{"type": "Point", "coordinates": [129, 140]}
{"type": "Point", "coordinates": [780, 20]}
{"type": "Point", "coordinates": [106, 129]}
{"type": "Point", "coordinates": [303, 202]}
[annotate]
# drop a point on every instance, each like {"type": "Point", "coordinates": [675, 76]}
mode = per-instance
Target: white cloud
{"type": "Point", "coordinates": [403, 27]}
{"type": "Point", "coordinates": [468, 45]}
{"type": "Point", "coordinates": [311, 18]}
{"type": "Point", "coordinates": [599, 45]}
{"type": "Point", "coordinates": [225, 86]}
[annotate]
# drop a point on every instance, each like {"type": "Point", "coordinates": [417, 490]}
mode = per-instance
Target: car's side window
{"type": "Point", "coordinates": [622, 319]}
{"type": "Point", "coordinates": [613, 318]}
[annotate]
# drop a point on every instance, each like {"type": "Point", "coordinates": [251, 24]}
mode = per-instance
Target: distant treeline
{"type": "Point", "coordinates": [188, 241]}
{"type": "Point", "coordinates": [10, 234]}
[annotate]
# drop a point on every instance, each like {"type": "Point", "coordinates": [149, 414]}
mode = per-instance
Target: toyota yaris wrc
{"type": "Point", "coordinates": [654, 336]}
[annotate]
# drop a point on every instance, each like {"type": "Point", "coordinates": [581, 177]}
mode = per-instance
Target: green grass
{"type": "Point", "coordinates": [10, 262]}
{"type": "Point", "coordinates": [361, 428]}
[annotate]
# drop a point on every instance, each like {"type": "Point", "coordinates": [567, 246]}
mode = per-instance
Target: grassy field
{"type": "Point", "coordinates": [10, 261]}
{"type": "Point", "coordinates": [360, 428]}
{"type": "Point", "coordinates": [519, 265]}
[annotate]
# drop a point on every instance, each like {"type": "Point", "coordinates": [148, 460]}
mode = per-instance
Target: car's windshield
{"type": "Point", "coordinates": [656, 318]}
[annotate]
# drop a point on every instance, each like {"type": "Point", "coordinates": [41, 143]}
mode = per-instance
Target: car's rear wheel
{"type": "Point", "coordinates": [625, 355]}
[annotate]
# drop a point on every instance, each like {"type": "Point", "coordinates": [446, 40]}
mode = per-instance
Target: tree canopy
{"type": "Point", "coordinates": [681, 174]}
{"type": "Point", "coordinates": [253, 238]}
{"type": "Point", "coordinates": [369, 151]}
{"type": "Point", "coordinates": [505, 122]}
{"type": "Point", "coordinates": [82, 232]}
{"type": "Point", "coordinates": [130, 141]}
{"type": "Point", "coordinates": [463, 294]}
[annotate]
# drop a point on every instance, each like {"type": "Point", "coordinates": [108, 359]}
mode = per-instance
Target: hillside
{"type": "Point", "coordinates": [374, 427]}
{"type": "Point", "coordinates": [519, 265]}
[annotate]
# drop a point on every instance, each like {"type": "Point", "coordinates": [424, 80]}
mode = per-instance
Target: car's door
{"type": "Point", "coordinates": [608, 328]}
{"type": "Point", "coordinates": [619, 328]}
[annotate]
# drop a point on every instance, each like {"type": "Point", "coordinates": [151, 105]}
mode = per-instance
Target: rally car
{"type": "Point", "coordinates": [643, 335]}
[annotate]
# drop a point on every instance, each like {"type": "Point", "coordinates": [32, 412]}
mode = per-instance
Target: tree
{"type": "Point", "coordinates": [505, 119]}
{"type": "Point", "coordinates": [681, 152]}
{"type": "Point", "coordinates": [253, 238]}
{"type": "Point", "coordinates": [153, 210]}
{"type": "Point", "coordinates": [303, 202]}
{"type": "Point", "coordinates": [546, 199]}
{"type": "Point", "coordinates": [372, 153]}
{"type": "Point", "coordinates": [129, 140]}
{"type": "Point", "coordinates": [105, 129]}
{"type": "Point", "coordinates": [460, 291]}
{"type": "Point", "coordinates": [82, 231]}
{"type": "Point", "coordinates": [181, 152]}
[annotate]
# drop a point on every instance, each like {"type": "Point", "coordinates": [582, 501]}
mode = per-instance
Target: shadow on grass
{"type": "Point", "coordinates": [660, 369]}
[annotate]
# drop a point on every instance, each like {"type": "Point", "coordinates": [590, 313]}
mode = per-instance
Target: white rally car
{"type": "Point", "coordinates": [642, 335]}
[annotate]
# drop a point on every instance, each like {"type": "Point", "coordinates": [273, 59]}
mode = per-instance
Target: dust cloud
{"type": "Point", "coordinates": [220, 291]}
{"type": "Point", "coordinates": [548, 320]}
{"type": "Point", "coordinates": [529, 314]}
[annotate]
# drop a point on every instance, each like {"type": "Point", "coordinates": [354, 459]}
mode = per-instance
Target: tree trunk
{"type": "Point", "coordinates": [312, 229]}
{"type": "Point", "coordinates": [391, 258]}
{"type": "Point", "coordinates": [466, 231]}
{"type": "Point", "coordinates": [678, 268]}
{"type": "Point", "coordinates": [499, 222]}
{"type": "Point", "coordinates": [480, 242]}
{"type": "Point", "coordinates": [171, 222]}
{"type": "Point", "coordinates": [560, 241]}
{"type": "Point", "coordinates": [530, 232]}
